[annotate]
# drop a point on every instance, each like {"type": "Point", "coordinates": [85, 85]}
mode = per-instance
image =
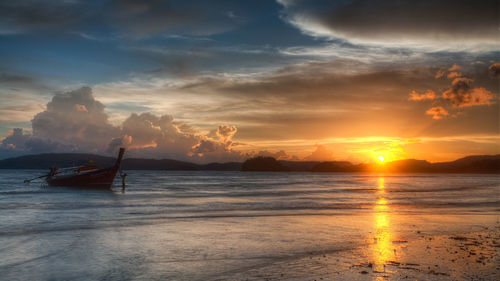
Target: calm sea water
{"type": "Point", "coordinates": [212, 225]}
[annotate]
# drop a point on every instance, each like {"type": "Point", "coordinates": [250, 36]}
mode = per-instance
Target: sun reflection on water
{"type": "Point", "coordinates": [383, 250]}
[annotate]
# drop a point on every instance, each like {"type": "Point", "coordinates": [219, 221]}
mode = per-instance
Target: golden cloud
{"type": "Point", "coordinates": [428, 95]}
{"type": "Point", "coordinates": [437, 112]}
{"type": "Point", "coordinates": [461, 94]}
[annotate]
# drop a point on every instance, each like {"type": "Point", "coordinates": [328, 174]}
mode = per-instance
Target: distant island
{"type": "Point", "coordinates": [481, 164]}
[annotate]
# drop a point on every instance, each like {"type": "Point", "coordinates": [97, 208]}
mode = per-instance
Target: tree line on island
{"type": "Point", "coordinates": [469, 164]}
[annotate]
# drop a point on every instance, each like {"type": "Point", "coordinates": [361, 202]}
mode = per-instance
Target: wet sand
{"type": "Point", "coordinates": [469, 256]}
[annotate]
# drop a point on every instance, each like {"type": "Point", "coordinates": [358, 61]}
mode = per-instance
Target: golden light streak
{"type": "Point", "coordinates": [383, 250]}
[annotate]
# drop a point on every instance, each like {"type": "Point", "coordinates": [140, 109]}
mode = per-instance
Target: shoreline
{"type": "Point", "coordinates": [465, 256]}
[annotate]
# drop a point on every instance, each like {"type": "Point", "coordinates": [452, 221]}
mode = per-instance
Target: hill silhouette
{"type": "Point", "coordinates": [47, 160]}
{"type": "Point", "coordinates": [264, 164]}
{"type": "Point", "coordinates": [470, 164]}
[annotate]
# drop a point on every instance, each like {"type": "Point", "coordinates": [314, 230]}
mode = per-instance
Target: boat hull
{"type": "Point", "coordinates": [100, 179]}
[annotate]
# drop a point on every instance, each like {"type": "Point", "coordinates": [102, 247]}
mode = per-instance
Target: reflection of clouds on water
{"type": "Point", "coordinates": [383, 250]}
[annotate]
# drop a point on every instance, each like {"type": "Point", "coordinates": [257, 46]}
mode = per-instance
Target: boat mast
{"type": "Point", "coordinates": [120, 156]}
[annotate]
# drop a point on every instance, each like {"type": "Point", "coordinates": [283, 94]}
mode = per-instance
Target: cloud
{"type": "Point", "coordinates": [28, 15]}
{"type": "Point", "coordinates": [152, 17]}
{"type": "Point", "coordinates": [132, 19]}
{"type": "Point", "coordinates": [453, 71]}
{"type": "Point", "coordinates": [366, 100]}
{"type": "Point", "coordinates": [462, 94]}
{"type": "Point", "coordinates": [21, 95]}
{"type": "Point", "coordinates": [75, 118]}
{"type": "Point", "coordinates": [322, 153]}
{"type": "Point", "coordinates": [19, 113]}
{"type": "Point", "coordinates": [278, 155]}
{"type": "Point", "coordinates": [428, 95]}
{"type": "Point", "coordinates": [441, 24]}
{"type": "Point", "coordinates": [454, 67]}
{"type": "Point", "coordinates": [76, 122]}
{"type": "Point", "coordinates": [158, 134]}
{"type": "Point", "coordinates": [7, 78]}
{"type": "Point", "coordinates": [149, 135]}
{"type": "Point", "coordinates": [440, 73]}
{"type": "Point", "coordinates": [494, 70]}
{"type": "Point", "coordinates": [72, 121]}
{"type": "Point", "coordinates": [146, 17]}
{"type": "Point", "coordinates": [454, 74]}
{"type": "Point", "coordinates": [16, 81]}
{"type": "Point", "coordinates": [437, 112]}
{"type": "Point", "coordinates": [226, 133]}
{"type": "Point", "coordinates": [17, 142]}
{"type": "Point", "coordinates": [15, 139]}
{"type": "Point", "coordinates": [116, 143]}
{"type": "Point", "coordinates": [81, 107]}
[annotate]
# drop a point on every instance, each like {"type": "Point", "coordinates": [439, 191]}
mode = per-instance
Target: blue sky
{"type": "Point", "coordinates": [91, 53]}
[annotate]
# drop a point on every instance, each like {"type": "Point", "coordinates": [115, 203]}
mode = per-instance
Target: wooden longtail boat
{"type": "Point", "coordinates": [85, 176]}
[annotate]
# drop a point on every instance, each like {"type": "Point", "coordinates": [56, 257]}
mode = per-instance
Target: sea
{"type": "Point", "coordinates": [210, 225]}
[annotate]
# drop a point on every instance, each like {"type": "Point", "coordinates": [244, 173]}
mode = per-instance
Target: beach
{"type": "Point", "coordinates": [175, 225]}
{"type": "Point", "coordinates": [470, 256]}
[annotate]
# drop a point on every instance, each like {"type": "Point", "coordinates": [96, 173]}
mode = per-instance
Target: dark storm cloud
{"type": "Point", "coordinates": [444, 22]}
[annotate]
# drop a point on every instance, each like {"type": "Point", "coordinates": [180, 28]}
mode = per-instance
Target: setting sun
{"type": "Point", "coordinates": [381, 158]}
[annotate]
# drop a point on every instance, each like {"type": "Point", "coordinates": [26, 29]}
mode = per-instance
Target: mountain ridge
{"type": "Point", "coordinates": [468, 164]}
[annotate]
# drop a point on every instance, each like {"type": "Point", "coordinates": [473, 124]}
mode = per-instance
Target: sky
{"type": "Point", "coordinates": [219, 81]}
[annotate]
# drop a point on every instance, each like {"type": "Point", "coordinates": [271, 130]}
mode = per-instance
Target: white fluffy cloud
{"type": "Point", "coordinates": [76, 121]}
{"type": "Point", "coordinates": [75, 118]}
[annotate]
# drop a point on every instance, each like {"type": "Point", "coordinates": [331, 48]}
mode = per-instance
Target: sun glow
{"type": "Point", "coordinates": [381, 159]}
